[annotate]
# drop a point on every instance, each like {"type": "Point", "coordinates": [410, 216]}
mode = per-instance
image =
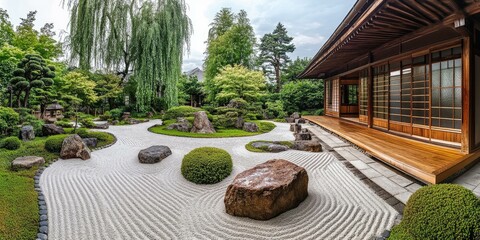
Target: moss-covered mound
{"type": "Point", "coordinates": [11, 143]}
{"type": "Point", "coordinates": [444, 211]}
{"type": "Point", "coordinates": [207, 165]}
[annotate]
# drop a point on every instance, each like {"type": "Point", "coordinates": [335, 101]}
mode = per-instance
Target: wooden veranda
{"type": "Point", "coordinates": [424, 161]}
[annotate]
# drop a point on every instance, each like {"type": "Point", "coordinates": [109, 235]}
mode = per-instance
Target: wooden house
{"type": "Point", "coordinates": [402, 81]}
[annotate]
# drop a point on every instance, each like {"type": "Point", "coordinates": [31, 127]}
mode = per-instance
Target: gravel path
{"type": "Point", "coordinates": [113, 196]}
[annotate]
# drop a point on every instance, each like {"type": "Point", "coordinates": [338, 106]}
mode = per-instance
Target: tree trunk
{"type": "Point", "coordinates": [277, 75]}
{"type": "Point", "coordinates": [25, 99]}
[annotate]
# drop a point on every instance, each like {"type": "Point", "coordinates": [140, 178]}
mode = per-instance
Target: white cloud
{"type": "Point", "coordinates": [301, 40]}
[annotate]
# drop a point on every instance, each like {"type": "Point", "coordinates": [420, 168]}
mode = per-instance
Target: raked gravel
{"type": "Point", "coordinates": [113, 196]}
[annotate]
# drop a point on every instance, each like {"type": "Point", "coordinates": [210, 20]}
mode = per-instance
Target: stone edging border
{"type": "Point", "coordinates": [42, 233]}
{"type": "Point", "coordinates": [379, 191]}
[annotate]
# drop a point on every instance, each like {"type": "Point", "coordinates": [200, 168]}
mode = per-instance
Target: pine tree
{"type": "Point", "coordinates": [274, 48]}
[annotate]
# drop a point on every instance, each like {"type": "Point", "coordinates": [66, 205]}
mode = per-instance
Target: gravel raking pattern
{"type": "Point", "coordinates": [112, 196]}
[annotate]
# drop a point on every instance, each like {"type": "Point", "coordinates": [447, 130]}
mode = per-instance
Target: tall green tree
{"type": "Point", "coordinates": [32, 72]}
{"type": "Point", "coordinates": [147, 37]}
{"type": "Point", "coordinates": [239, 82]}
{"type": "Point", "coordinates": [294, 68]}
{"type": "Point", "coordinates": [274, 48]}
{"type": "Point", "coordinates": [6, 28]}
{"type": "Point", "coordinates": [191, 90]}
{"type": "Point", "coordinates": [302, 95]}
{"type": "Point", "coordinates": [228, 45]}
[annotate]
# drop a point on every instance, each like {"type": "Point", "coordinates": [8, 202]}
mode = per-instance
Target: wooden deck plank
{"type": "Point", "coordinates": [427, 162]}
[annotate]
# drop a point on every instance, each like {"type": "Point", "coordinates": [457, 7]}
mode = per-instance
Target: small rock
{"type": "Point", "coordinates": [90, 142]}
{"type": "Point", "coordinates": [43, 211]}
{"type": "Point", "coordinates": [250, 127]}
{"type": "Point", "coordinates": [115, 122]}
{"type": "Point", "coordinates": [126, 115]}
{"type": "Point", "coordinates": [277, 148]}
{"type": "Point", "coordinates": [261, 144]}
{"type": "Point", "coordinates": [290, 120]}
{"type": "Point", "coordinates": [27, 133]}
{"type": "Point", "coordinates": [52, 129]}
{"type": "Point", "coordinates": [74, 147]}
{"type": "Point", "coordinates": [43, 217]}
{"type": "Point", "coordinates": [27, 162]}
{"type": "Point", "coordinates": [43, 229]}
{"type": "Point", "coordinates": [300, 121]}
{"type": "Point", "coordinates": [180, 126]}
{"type": "Point", "coordinates": [43, 223]}
{"type": "Point", "coordinates": [101, 126]}
{"type": "Point", "coordinates": [309, 146]}
{"type": "Point", "coordinates": [42, 236]}
{"type": "Point", "coordinates": [154, 154]}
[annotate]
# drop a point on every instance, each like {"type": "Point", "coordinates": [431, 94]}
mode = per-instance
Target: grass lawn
{"type": "Point", "coordinates": [264, 127]}
{"type": "Point", "coordinates": [18, 199]}
{"type": "Point", "coordinates": [250, 148]}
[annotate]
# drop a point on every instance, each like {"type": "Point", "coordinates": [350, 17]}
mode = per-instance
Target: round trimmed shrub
{"type": "Point", "coordinates": [54, 143]}
{"type": "Point", "coordinates": [444, 211]}
{"type": "Point", "coordinates": [12, 143]}
{"type": "Point", "coordinates": [182, 111]}
{"type": "Point", "coordinates": [207, 165]}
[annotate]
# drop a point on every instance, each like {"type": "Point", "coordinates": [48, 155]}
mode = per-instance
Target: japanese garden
{"type": "Point", "coordinates": [166, 119]}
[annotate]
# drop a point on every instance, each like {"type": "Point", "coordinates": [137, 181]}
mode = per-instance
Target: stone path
{"type": "Point", "coordinates": [113, 196]}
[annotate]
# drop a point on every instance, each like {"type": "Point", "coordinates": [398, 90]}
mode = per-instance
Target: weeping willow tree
{"type": "Point", "coordinates": [147, 37]}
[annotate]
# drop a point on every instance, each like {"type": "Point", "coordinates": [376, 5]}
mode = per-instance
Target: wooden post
{"type": "Point", "coordinates": [466, 94]}
{"type": "Point", "coordinates": [370, 95]}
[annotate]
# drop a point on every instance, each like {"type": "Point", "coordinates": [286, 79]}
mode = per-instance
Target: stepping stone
{"type": "Point", "coordinates": [267, 190]}
{"type": "Point", "coordinates": [154, 154]}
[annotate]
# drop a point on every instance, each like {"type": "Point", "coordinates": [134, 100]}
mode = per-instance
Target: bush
{"type": "Point", "coordinates": [444, 211]}
{"type": "Point", "coordinates": [106, 116]}
{"type": "Point", "coordinates": [251, 116]}
{"type": "Point", "coordinates": [87, 122]}
{"type": "Point", "coordinates": [64, 124]}
{"type": "Point", "coordinates": [9, 119]}
{"type": "Point", "coordinates": [11, 143]}
{"type": "Point", "coordinates": [54, 143]}
{"type": "Point", "coordinates": [237, 103]}
{"type": "Point", "coordinates": [319, 112]}
{"type": "Point", "coordinates": [275, 110]}
{"type": "Point", "coordinates": [116, 113]}
{"type": "Point", "coordinates": [226, 121]}
{"type": "Point", "coordinates": [207, 165]}
{"type": "Point", "coordinates": [182, 111]}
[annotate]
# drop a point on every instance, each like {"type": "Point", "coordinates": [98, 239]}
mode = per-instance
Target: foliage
{"type": "Point", "coordinates": [64, 124]}
{"type": "Point", "coordinates": [226, 121]}
{"type": "Point", "coordinates": [78, 87]}
{"type": "Point", "coordinates": [182, 111]}
{"type": "Point", "coordinates": [238, 82]}
{"type": "Point", "coordinates": [275, 109]}
{"type": "Point", "coordinates": [264, 127]}
{"type": "Point", "coordinates": [32, 72]}
{"type": "Point", "coordinates": [302, 95]}
{"type": "Point", "coordinates": [107, 87]}
{"type": "Point", "coordinates": [11, 143]}
{"type": "Point", "coordinates": [293, 69]}
{"type": "Point", "coordinates": [231, 42]}
{"type": "Point", "coordinates": [6, 28]}
{"type": "Point", "coordinates": [54, 143]}
{"type": "Point", "coordinates": [8, 120]}
{"type": "Point", "coordinates": [148, 37]}
{"type": "Point", "coordinates": [273, 52]}
{"type": "Point", "coordinates": [251, 148]}
{"type": "Point", "coordinates": [116, 113]}
{"type": "Point", "coordinates": [190, 90]}
{"type": "Point", "coordinates": [207, 165]}
{"type": "Point", "coordinates": [87, 122]}
{"type": "Point", "coordinates": [443, 211]}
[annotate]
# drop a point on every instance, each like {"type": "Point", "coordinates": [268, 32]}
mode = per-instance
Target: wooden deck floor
{"type": "Point", "coordinates": [427, 162]}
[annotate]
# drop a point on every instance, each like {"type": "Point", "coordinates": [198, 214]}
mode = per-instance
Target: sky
{"type": "Point", "coordinates": [309, 22]}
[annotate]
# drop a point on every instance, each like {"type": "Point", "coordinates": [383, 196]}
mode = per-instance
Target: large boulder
{"type": "Point", "coordinates": [52, 129]}
{"type": "Point", "coordinates": [90, 142]}
{"type": "Point", "coordinates": [303, 135]}
{"type": "Point", "coordinates": [250, 127]}
{"type": "Point", "coordinates": [27, 133]}
{"type": "Point", "coordinates": [154, 154]}
{"type": "Point", "coordinates": [290, 120]}
{"type": "Point", "coordinates": [74, 147]}
{"type": "Point", "coordinates": [295, 115]}
{"type": "Point", "coordinates": [182, 125]}
{"type": "Point", "coordinates": [308, 146]}
{"type": "Point", "coordinates": [201, 124]}
{"type": "Point", "coordinates": [27, 162]}
{"type": "Point", "coordinates": [267, 190]}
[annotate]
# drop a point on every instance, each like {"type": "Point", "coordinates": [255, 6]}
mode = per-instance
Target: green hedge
{"type": "Point", "coordinates": [444, 211]}
{"type": "Point", "coordinates": [207, 165]}
{"type": "Point", "coordinates": [54, 143]}
{"type": "Point", "coordinates": [182, 111]}
{"type": "Point", "coordinates": [11, 143]}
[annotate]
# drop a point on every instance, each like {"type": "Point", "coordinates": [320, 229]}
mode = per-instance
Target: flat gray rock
{"type": "Point", "coordinates": [27, 133]}
{"type": "Point", "coordinates": [154, 154]}
{"type": "Point", "coordinates": [27, 162]}
{"type": "Point", "coordinates": [250, 127]}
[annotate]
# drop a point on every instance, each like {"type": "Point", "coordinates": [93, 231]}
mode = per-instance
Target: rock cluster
{"type": "Point", "coordinates": [304, 141]}
{"type": "Point", "coordinates": [267, 190]}
{"type": "Point", "coordinates": [154, 154]}
{"type": "Point", "coordinates": [182, 125]}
